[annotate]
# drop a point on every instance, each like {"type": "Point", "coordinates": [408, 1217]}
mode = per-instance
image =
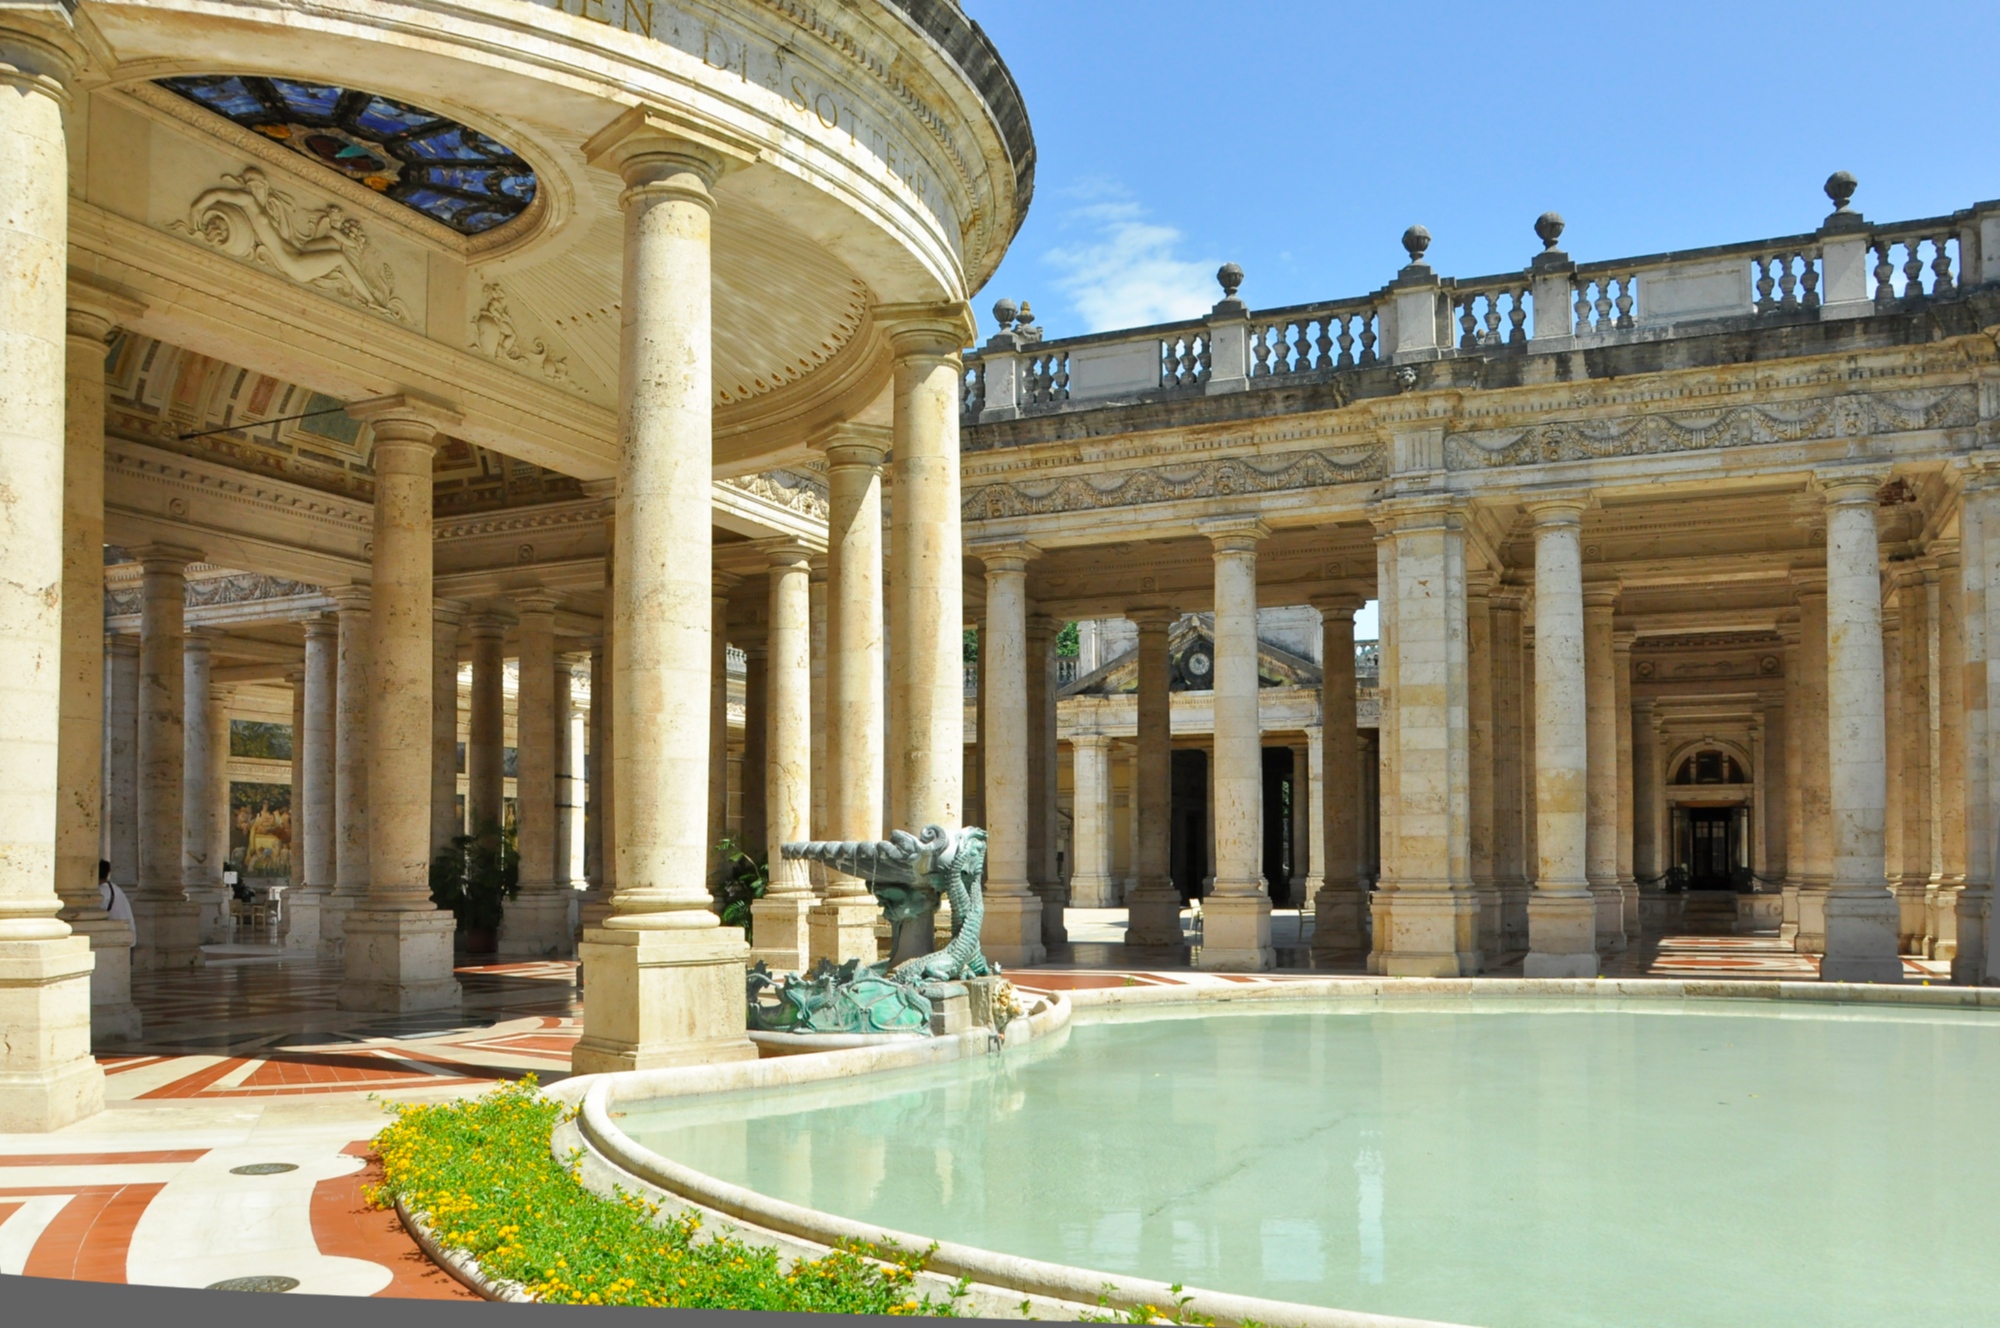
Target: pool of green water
{"type": "Point", "coordinates": [1518, 1164]}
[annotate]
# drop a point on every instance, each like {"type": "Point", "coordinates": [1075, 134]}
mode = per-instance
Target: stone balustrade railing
{"type": "Point", "coordinates": [1848, 268]}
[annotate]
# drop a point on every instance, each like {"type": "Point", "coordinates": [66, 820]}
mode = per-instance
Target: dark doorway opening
{"type": "Point", "coordinates": [1189, 856]}
{"type": "Point", "coordinates": [1278, 812]}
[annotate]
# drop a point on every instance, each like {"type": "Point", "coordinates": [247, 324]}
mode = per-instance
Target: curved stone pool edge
{"type": "Point", "coordinates": [1006, 1286]}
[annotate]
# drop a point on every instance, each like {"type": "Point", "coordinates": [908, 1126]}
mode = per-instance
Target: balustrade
{"type": "Point", "coordinates": [1606, 302]}
{"type": "Point", "coordinates": [1912, 265]}
{"type": "Point", "coordinates": [972, 393]}
{"type": "Point", "coordinates": [1045, 378]}
{"type": "Point", "coordinates": [1787, 279]}
{"type": "Point", "coordinates": [1312, 342]}
{"type": "Point", "coordinates": [1492, 313]}
{"type": "Point", "coordinates": [1184, 362]}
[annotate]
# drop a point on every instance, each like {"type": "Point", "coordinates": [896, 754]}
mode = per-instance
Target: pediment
{"type": "Point", "coordinates": [1276, 666]}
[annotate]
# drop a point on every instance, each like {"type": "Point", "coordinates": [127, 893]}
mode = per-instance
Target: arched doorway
{"type": "Point", "coordinates": [1710, 804]}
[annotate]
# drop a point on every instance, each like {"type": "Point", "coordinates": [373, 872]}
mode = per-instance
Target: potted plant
{"type": "Point", "coordinates": [743, 881]}
{"type": "Point", "coordinates": [474, 879]}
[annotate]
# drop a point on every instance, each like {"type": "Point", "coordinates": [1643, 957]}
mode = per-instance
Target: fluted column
{"type": "Point", "coordinates": [1338, 906]}
{"type": "Point", "coordinates": [446, 825]}
{"type": "Point", "coordinates": [1621, 677]}
{"type": "Point", "coordinates": [926, 750]}
{"type": "Point", "coordinates": [537, 919]}
{"type": "Point", "coordinates": [1236, 916]}
{"type": "Point", "coordinates": [1510, 860]}
{"type": "Point", "coordinates": [1479, 755]}
{"type": "Point", "coordinates": [1562, 913]}
{"type": "Point", "coordinates": [783, 926]}
{"type": "Point", "coordinates": [1153, 911]}
{"type": "Point", "coordinates": [1044, 871]}
{"type": "Point", "coordinates": [1979, 546]}
{"type": "Point", "coordinates": [313, 802]}
{"type": "Point", "coordinates": [663, 978]}
{"type": "Point", "coordinates": [1815, 788]}
{"type": "Point", "coordinates": [843, 924]}
{"type": "Point", "coordinates": [1012, 931]}
{"type": "Point", "coordinates": [47, 1076]}
{"type": "Point", "coordinates": [398, 944]}
{"type": "Point", "coordinates": [121, 758]}
{"type": "Point", "coordinates": [486, 726]}
{"type": "Point", "coordinates": [1091, 884]}
{"type": "Point", "coordinates": [1601, 720]}
{"type": "Point", "coordinates": [1860, 912]}
{"type": "Point", "coordinates": [167, 923]}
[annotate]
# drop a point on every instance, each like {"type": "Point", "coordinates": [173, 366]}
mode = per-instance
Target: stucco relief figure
{"type": "Point", "coordinates": [247, 219]}
{"type": "Point", "coordinates": [495, 336]}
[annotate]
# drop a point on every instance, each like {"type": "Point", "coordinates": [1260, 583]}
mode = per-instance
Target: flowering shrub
{"type": "Point", "coordinates": [482, 1172]}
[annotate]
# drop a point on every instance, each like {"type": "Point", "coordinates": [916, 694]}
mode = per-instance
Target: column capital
{"type": "Point", "coordinates": [1601, 594]}
{"type": "Point", "coordinates": [1808, 582]}
{"type": "Point", "coordinates": [96, 313]}
{"type": "Point", "coordinates": [1480, 585]}
{"type": "Point", "coordinates": [198, 640]}
{"type": "Point", "coordinates": [1558, 507]}
{"type": "Point", "coordinates": [786, 554]}
{"type": "Point", "coordinates": [1152, 617]}
{"type": "Point", "coordinates": [1416, 511]}
{"type": "Point", "coordinates": [658, 148]}
{"type": "Point", "coordinates": [1234, 534]}
{"type": "Point", "coordinates": [1509, 598]}
{"type": "Point", "coordinates": [1002, 556]}
{"type": "Point", "coordinates": [721, 583]}
{"type": "Point", "coordinates": [354, 597]}
{"type": "Point", "coordinates": [1042, 624]}
{"type": "Point", "coordinates": [600, 489]}
{"type": "Point", "coordinates": [404, 421]}
{"type": "Point", "coordinates": [322, 626]}
{"type": "Point", "coordinates": [451, 612]}
{"type": "Point", "coordinates": [537, 602]}
{"type": "Point", "coordinates": [1850, 486]}
{"type": "Point", "coordinates": [486, 626]}
{"type": "Point", "coordinates": [1091, 741]}
{"type": "Point", "coordinates": [918, 331]}
{"type": "Point", "coordinates": [158, 557]}
{"type": "Point", "coordinates": [1622, 639]}
{"type": "Point", "coordinates": [1339, 606]}
{"type": "Point", "coordinates": [850, 443]}
{"type": "Point", "coordinates": [121, 643]}
{"type": "Point", "coordinates": [39, 48]}
{"type": "Point", "coordinates": [223, 692]}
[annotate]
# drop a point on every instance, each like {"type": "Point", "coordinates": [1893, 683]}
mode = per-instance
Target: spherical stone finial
{"type": "Point", "coordinates": [1415, 241]}
{"type": "Point", "coordinates": [1229, 276]}
{"type": "Point", "coordinates": [1004, 311]}
{"type": "Point", "coordinates": [1549, 226]}
{"type": "Point", "coordinates": [1840, 187]}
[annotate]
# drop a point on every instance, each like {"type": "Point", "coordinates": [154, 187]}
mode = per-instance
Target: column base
{"type": "Point", "coordinates": [1236, 933]}
{"type": "Point", "coordinates": [1305, 892]}
{"type": "Point", "coordinates": [1153, 915]}
{"type": "Point", "coordinates": [333, 911]}
{"type": "Point", "coordinates": [1972, 932]}
{"type": "Point", "coordinates": [842, 928]}
{"type": "Point", "coordinates": [1055, 898]}
{"type": "Point", "coordinates": [1609, 904]}
{"type": "Point", "coordinates": [302, 909]}
{"type": "Point", "coordinates": [781, 929]}
{"type": "Point", "coordinates": [1913, 917]}
{"type": "Point", "coordinates": [213, 901]}
{"type": "Point", "coordinates": [399, 962]}
{"type": "Point", "coordinates": [536, 925]}
{"type": "Point", "coordinates": [1489, 918]}
{"type": "Point", "coordinates": [1337, 919]}
{"type": "Point", "coordinates": [1811, 935]}
{"type": "Point", "coordinates": [1011, 932]}
{"type": "Point", "coordinates": [166, 934]}
{"type": "Point", "coordinates": [1094, 892]}
{"type": "Point", "coordinates": [48, 1078]}
{"type": "Point", "coordinates": [1514, 897]}
{"type": "Point", "coordinates": [1860, 937]}
{"type": "Point", "coordinates": [656, 999]}
{"type": "Point", "coordinates": [1433, 932]}
{"type": "Point", "coordinates": [113, 1017]}
{"type": "Point", "coordinates": [1562, 935]}
{"type": "Point", "coordinates": [1629, 889]}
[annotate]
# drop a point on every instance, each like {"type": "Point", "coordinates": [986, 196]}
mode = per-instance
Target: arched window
{"type": "Point", "coordinates": [1710, 767]}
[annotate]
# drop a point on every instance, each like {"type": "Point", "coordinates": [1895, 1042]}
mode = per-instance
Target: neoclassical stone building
{"type": "Point", "coordinates": [344, 348]}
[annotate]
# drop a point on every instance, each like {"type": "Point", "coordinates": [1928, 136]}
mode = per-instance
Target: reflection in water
{"type": "Point", "coordinates": [1292, 1250]}
{"type": "Point", "coordinates": [1368, 1206]}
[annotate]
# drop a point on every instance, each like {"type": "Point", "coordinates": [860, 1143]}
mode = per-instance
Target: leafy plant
{"type": "Point", "coordinates": [743, 882]}
{"type": "Point", "coordinates": [477, 875]}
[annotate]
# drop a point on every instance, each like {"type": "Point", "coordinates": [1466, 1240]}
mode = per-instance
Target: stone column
{"type": "Point", "coordinates": [1562, 913]}
{"type": "Point", "coordinates": [1628, 887]}
{"type": "Point", "coordinates": [1910, 873]}
{"type": "Point", "coordinates": [1338, 907]}
{"type": "Point", "coordinates": [536, 922]}
{"type": "Point", "coordinates": [1948, 876]}
{"type": "Point", "coordinates": [296, 879]}
{"type": "Point", "coordinates": [350, 767]}
{"type": "Point", "coordinates": [1309, 820]}
{"type": "Point", "coordinates": [570, 720]}
{"type": "Point", "coordinates": [1044, 876]}
{"type": "Point", "coordinates": [1979, 547]}
{"type": "Point", "coordinates": [486, 727]}
{"type": "Point", "coordinates": [754, 822]}
{"type": "Point", "coordinates": [600, 825]}
{"type": "Point", "coordinates": [398, 944]}
{"type": "Point", "coordinates": [1601, 718]}
{"type": "Point", "coordinates": [783, 917]}
{"type": "Point", "coordinates": [446, 616]}
{"type": "Point", "coordinates": [1479, 755]}
{"type": "Point", "coordinates": [926, 574]}
{"type": "Point", "coordinates": [1510, 862]}
{"type": "Point", "coordinates": [1815, 795]}
{"type": "Point", "coordinates": [1153, 915]}
{"type": "Point", "coordinates": [47, 1076]}
{"type": "Point", "coordinates": [720, 584]}
{"type": "Point", "coordinates": [80, 758]}
{"type": "Point", "coordinates": [821, 679]}
{"type": "Point", "coordinates": [1774, 792]}
{"type": "Point", "coordinates": [1645, 797]}
{"type": "Point", "coordinates": [1433, 926]}
{"type": "Point", "coordinates": [201, 870]}
{"type": "Point", "coordinates": [1387, 799]}
{"type": "Point", "coordinates": [842, 925]}
{"type": "Point", "coordinates": [167, 923]}
{"type": "Point", "coordinates": [1797, 722]}
{"type": "Point", "coordinates": [1012, 931]}
{"type": "Point", "coordinates": [1860, 913]}
{"type": "Point", "coordinates": [664, 979]}
{"type": "Point", "coordinates": [1092, 885]}
{"type": "Point", "coordinates": [121, 758]}
{"type": "Point", "coordinates": [1236, 917]}
{"type": "Point", "coordinates": [313, 802]}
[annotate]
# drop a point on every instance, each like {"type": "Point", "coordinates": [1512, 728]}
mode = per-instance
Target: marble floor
{"type": "Point", "coordinates": [233, 1145]}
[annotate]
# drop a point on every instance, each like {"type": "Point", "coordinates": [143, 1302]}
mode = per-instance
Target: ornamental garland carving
{"type": "Point", "coordinates": [787, 488]}
{"type": "Point", "coordinates": [244, 588]}
{"type": "Point", "coordinates": [1851, 415]}
{"type": "Point", "coordinates": [1166, 484]}
{"type": "Point", "coordinates": [324, 249]}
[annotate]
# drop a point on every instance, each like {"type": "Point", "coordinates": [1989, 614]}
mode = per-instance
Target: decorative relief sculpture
{"type": "Point", "coordinates": [791, 489]}
{"type": "Point", "coordinates": [1212, 479]}
{"type": "Point", "coordinates": [325, 249]}
{"type": "Point", "coordinates": [495, 336]}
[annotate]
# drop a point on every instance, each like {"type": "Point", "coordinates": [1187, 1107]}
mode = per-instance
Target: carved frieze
{"type": "Point", "coordinates": [208, 592]}
{"type": "Point", "coordinates": [495, 336]}
{"type": "Point", "coordinates": [786, 487]}
{"type": "Point", "coordinates": [1165, 484]}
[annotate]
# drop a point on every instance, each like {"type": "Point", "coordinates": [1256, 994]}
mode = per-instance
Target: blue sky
{"type": "Point", "coordinates": [1300, 138]}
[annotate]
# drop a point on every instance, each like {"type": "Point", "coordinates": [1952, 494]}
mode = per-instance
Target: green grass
{"type": "Point", "coordinates": [482, 1171]}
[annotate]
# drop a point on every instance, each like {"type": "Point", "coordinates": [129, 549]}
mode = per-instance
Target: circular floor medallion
{"type": "Point", "coordinates": [263, 1169]}
{"type": "Point", "coordinates": [254, 1284]}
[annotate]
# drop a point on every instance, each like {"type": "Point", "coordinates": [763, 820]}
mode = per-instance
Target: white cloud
{"type": "Point", "coordinates": [1124, 270]}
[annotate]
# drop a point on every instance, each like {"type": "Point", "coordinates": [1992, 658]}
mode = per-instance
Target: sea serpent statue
{"type": "Point", "coordinates": [907, 874]}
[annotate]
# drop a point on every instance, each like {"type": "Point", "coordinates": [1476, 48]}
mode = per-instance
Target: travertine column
{"type": "Point", "coordinates": [843, 923]}
{"type": "Point", "coordinates": [1646, 796]}
{"type": "Point", "coordinates": [783, 917]}
{"type": "Point", "coordinates": [1979, 548]}
{"type": "Point", "coordinates": [571, 717]}
{"type": "Point", "coordinates": [1948, 875]}
{"type": "Point", "coordinates": [1433, 926]}
{"type": "Point", "coordinates": [926, 574]}
{"type": "Point", "coordinates": [398, 944]}
{"type": "Point", "coordinates": [1775, 792]}
{"type": "Point", "coordinates": [1479, 755]}
{"type": "Point", "coordinates": [1860, 913]}
{"type": "Point", "coordinates": [1531, 852]}
{"type": "Point", "coordinates": [1044, 876]}
{"type": "Point", "coordinates": [1815, 788]}
{"type": "Point", "coordinates": [1601, 718]}
{"type": "Point", "coordinates": [1562, 913]}
{"type": "Point", "coordinates": [1910, 874]}
{"type": "Point", "coordinates": [47, 1076]}
{"type": "Point", "coordinates": [1510, 862]}
{"type": "Point", "coordinates": [754, 822]}
{"type": "Point", "coordinates": [537, 920]}
{"type": "Point", "coordinates": [821, 678]}
{"type": "Point", "coordinates": [1236, 916]}
{"type": "Point", "coordinates": [1012, 931]}
{"type": "Point", "coordinates": [486, 726]}
{"type": "Point", "coordinates": [600, 823]}
{"type": "Point", "coordinates": [1339, 905]}
{"type": "Point", "coordinates": [350, 769]}
{"type": "Point", "coordinates": [1387, 801]}
{"type": "Point", "coordinates": [80, 760]}
{"type": "Point", "coordinates": [313, 800]}
{"type": "Point", "coordinates": [1153, 914]}
{"type": "Point", "coordinates": [720, 584]}
{"type": "Point", "coordinates": [1797, 722]}
{"type": "Point", "coordinates": [663, 978]}
{"type": "Point", "coordinates": [1309, 820]}
{"type": "Point", "coordinates": [121, 758]}
{"type": "Point", "coordinates": [201, 870]}
{"type": "Point", "coordinates": [446, 616]}
{"type": "Point", "coordinates": [296, 878]}
{"type": "Point", "coordinates": [167, 923]}
{"type": "Point", "coordinates": [1628, 887]}
{"type": "Point", "coordinates": [1091, 885]}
